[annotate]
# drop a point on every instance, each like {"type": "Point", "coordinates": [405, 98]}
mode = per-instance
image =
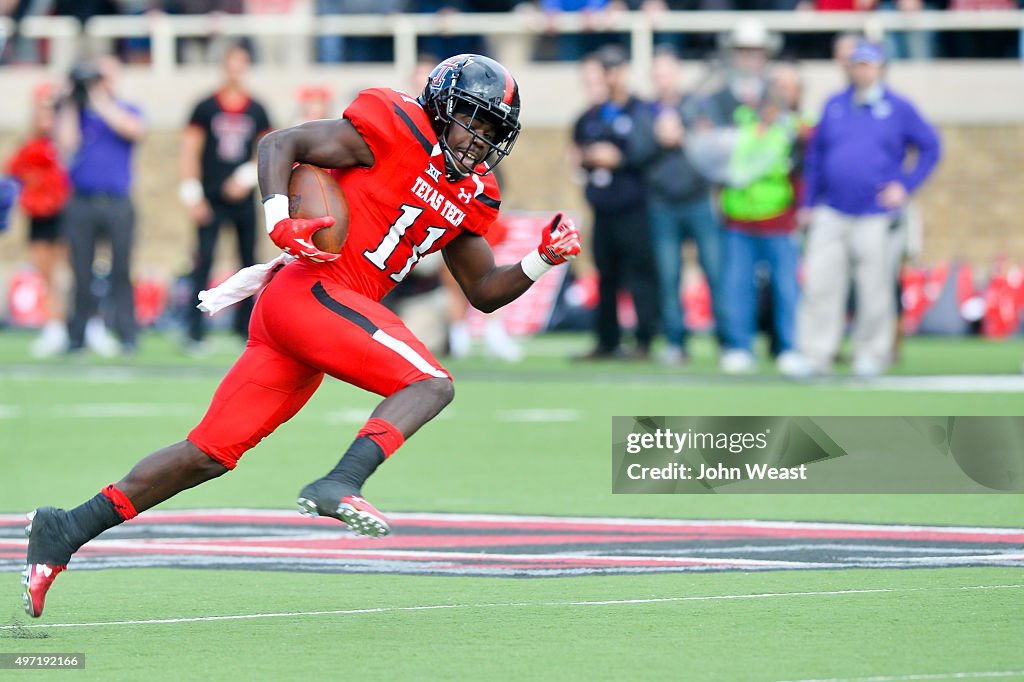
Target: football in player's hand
{"type": "Point", "coordinates": [313, 193]}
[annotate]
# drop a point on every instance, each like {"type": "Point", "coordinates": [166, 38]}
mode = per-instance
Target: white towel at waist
{"type": "Point", "coordinates": [241, 285]}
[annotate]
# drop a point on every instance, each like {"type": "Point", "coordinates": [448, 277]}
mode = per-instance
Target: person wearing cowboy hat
{"type": "Point", "coordinates": [746, 51]}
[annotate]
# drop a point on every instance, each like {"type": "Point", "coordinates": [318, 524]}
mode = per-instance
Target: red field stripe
{"type": "Point", "coordinates": [881, 533]}
{"type": "Point", "coordinates": [622, 528]}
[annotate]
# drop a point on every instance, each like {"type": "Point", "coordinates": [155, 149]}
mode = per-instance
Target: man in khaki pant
{"type": "Point", "coordinates": [856, 182]}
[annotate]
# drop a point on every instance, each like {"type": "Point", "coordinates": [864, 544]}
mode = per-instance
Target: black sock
{"type": "Point", "coordinates": [362, 459]}
{"type": "Point", "coordinates": [89, 519]}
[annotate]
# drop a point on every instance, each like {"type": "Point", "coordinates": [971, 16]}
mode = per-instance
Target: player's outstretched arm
{"type": "Point", "coordinates": [331, 143]}
{"type": "Point", "coordinates": [488, 286]}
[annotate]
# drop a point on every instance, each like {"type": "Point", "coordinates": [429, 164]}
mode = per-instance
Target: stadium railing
{"type": "Point", "coordinates": [163, 31]}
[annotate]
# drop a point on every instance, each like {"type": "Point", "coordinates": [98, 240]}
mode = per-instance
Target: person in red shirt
{"type": "Point", "coordinates": [416, 173]}
{"type": "Point", "coordinates": [45, 190]}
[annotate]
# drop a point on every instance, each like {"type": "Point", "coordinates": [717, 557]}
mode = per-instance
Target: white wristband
{"type": "Point", "coordinates": [246, 175]}
{"type": "Point", "coordinates": [190, 191]}
{"type": "Point", "coordinates": [534, 266]}
{"type": "Point", "coordinates": [275, 209]}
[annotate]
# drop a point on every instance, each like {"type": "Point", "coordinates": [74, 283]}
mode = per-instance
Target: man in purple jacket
{"type": "Point", "coordinates": [856, 182]}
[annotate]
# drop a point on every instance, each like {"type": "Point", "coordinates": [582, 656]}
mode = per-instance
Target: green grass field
{"type": "Point", "coordinates": [68, 428]}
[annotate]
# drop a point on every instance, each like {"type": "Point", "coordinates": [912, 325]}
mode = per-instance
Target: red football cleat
{"type": "Point", "coordinates": [48, 554]}
{"type": "Point", "coordinates": [325, 497]}
{"type": "Point", "coordinates": [37, 579]}
{"type": "Point", "coordinates": [362, 517]}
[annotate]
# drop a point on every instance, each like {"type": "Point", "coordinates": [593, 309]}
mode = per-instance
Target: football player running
{"type": "Point", "coordinates": [416, 173]}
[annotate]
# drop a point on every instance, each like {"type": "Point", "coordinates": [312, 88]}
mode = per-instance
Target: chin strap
{"type": "Point", "coordinates": [451, 169]}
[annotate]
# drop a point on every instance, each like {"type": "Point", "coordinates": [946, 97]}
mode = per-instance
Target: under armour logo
{"type": "Point", "coordinates": [465, 195]}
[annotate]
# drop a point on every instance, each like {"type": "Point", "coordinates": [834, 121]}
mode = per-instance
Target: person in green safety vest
{"type": "Point", "coordinates": [758, 204]}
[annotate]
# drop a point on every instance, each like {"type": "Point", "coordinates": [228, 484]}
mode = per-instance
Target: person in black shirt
{"type": "Point", "coordinates": [218, 180]}
{"type": "Point", "coordinates": [607, 137]}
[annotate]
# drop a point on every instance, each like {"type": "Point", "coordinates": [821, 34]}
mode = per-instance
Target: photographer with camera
{"type": "Point", "coordinates": [97, 132]}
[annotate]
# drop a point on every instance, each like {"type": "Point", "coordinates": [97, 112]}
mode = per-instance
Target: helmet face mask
{"type": "Point", "coordinates": [465, 91]}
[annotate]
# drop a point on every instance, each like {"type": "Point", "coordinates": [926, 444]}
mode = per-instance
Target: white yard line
{"type": "Point", "coordinates": [435, 607]}
{"type": "Point", "coordinates": [922, 676]}
{"type": "Point", "coordinates": [953, 383]}
{"type": "Point", "coordinates": [539, 415]}
{"type": "Point", "coordinates": [100, 411]}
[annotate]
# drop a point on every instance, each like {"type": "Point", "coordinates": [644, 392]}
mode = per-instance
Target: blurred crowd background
{"type": "Point", "coordinates": [735, 183]}
{"type": "Point", "coordinates": [597, 18]}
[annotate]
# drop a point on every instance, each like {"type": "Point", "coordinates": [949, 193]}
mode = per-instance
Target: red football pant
{"type": "Point", "coordinates": [302, 328]}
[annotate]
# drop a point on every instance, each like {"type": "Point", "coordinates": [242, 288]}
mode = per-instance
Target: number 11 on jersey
{"type": "Point", "coordinates": [380, 255]}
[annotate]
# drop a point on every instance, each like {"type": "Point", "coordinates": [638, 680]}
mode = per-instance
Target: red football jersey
{"type": "Point", "coordinates": [403, 207]}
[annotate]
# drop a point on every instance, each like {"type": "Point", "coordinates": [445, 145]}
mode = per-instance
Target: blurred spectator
{"type": "Point", "coordinates": [219, 179]}
{"type": "Point", "coordinates": [205, 49]}
{"type": "Point", "coordinates": [679, 199]}
{"type": "Point", "coordinates": [747, 49]}
{"type": "Point", "coordinates": [497, 44]}
{"type": "Point", "coordinates": [330, 47]}
{"type": "Point", "coordinates": [314, 102]}
{"type": "Point", "coordinates": [842, 49]}
{"type": "Point", "coordinates": [596, 16]}
{"type": "Point", "coordinates": [759, 208]}
{"type": "Point", "coordinates": [606, 138]}
{"type": "Point", "coordinates": [844, 5]}
{"type": "Point", "coordinates": [333, 48]}
{"type": "Point", "coordinates": [817, 45]}
{"type": "Point", "coordinates": [28, 51]}
{"type": "Point", "coordinates": [45, 190]}
{"type": "Point", "coordinates": [916, 45]}
{"type": "Point", "coordinates": [689, 45]}
{"type": "Point", "coordinates": [98, 130]}
{"type": "Point", "coordinates": [272, 49]}
{"type": "Point", "coordinates": [498, 344]}
{"type": "Point", "coordinates": [137, 49]}
{"type": "Point", "coordinates": [983, 44]}
{"type": "Point", "coordinates": [422, 302]}
{"type": "Point", "coordinates": [8, 197]}
{"type": "Point", "coordinates": [18, 49]}
{"type": "Point", "coordinates": [857, 180]}
{"type": "Point", "coordinates": [737, 79]}
{"type": "Point", "coordinates": [443, 42]}
{"type": "Point", "coordinates": [83, 10]}
{"type": "Point", "coordinates": [786, 89]}
{"type": "Point", "coordinates": [595, 84]}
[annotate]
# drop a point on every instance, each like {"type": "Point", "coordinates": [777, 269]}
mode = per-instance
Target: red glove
{"type": "Point", "coordinates": [295, 236]}
{"type": "Point", "coordinates": [560, 241]}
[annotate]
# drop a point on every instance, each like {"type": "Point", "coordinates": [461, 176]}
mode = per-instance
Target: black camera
{"type": "Point", "coordinates": [82, 78]}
